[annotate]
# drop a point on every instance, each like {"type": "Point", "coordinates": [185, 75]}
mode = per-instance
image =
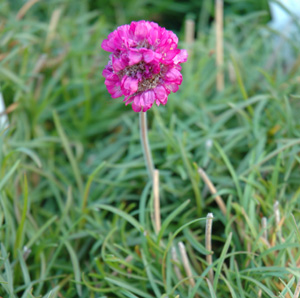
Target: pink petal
{"type": "Point", "coordinates": [146, 108]}
{"type": "Point", "coordinates": [106, 45]}
{"type": "Point", "coordinates": [112, 80]}
{"type": "Point", "coordinates": [129, 100]}
{"type": "Point", "coordinates": [107, 73]}
{"type": "Point", "coordinates": [171, 86]}
{"type": "Point", "coordinates": [136, 108]}
{"type": "Point", "coordinates": [174, 75]}
{"type": "Point", "coordinates": [171, 54]}
{"type": "Point", "coordinates": [129, 85]}
{"type": "Point", "coordinates": [118, 64]}
{"type": "Point", "coordinates": [153, 34]}
{"type": "Point", "coordinates": [134, 57]}
{"type": "Point", "coordinates": [161, 95]}
{"type": "Point", "coordinates": [173, 37]}
{"type": "Point", "coordinates": [181, 57]}
{"type": "Point", "coordinates": [113, 89]}
{"type": "Point", "coordinates": [141, 30]}
{"type": "Point", "coordinates": [164, 101]}
{"type": "Point", "coordinates": [155, 67]}
{"type": "Point", "coordinates": [148, 55]}
{"type": "Point", "coordinates": [147, 97]}
{"type": "Point", "coordinates": [113, 86]}
{"type": "Point", "coordinates": [178, 67]}
{"type": "Point", "coordinates": [137, 100]}
{"type": "Point", "coordinates": [160, 92]}
{"type": "Point", "coordinates": [164, 36]}
{"type": "Point", "coordinates": [123, 34]}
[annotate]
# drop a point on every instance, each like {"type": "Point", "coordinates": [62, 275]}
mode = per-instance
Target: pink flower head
{"type": "Point", "coordinates": [144, 64]}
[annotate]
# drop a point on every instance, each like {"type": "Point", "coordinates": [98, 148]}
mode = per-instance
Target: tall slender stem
{"type": "Point", "coordinates": [157, 222]}
{"type": "Point", "coordinates": [219, 44]}
{"type": "Point", "coordinates": [145, 144]}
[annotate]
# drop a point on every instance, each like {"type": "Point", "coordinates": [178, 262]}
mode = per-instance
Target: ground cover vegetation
{"type": "Point", "coordinates": [76, 203]}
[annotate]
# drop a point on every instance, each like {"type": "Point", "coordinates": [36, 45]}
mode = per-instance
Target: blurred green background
{"type": "Point", "coordinates": [168, 13]}
{"type": "Point", "coordinates": [76, 202]}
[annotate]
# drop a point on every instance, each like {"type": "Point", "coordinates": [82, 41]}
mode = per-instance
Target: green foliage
{"type": "Point", "coordinates": [75, 201]}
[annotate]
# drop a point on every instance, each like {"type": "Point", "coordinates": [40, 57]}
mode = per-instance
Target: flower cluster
{"type": "Point", "coordinates": [144, 64]}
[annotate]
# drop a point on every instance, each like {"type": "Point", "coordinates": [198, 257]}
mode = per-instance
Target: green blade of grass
{"type": "Point", "coordinates": [40, 231]}
{"type": "Point", "coordinates": [150, 276]}
{"type": "Point", "coordinates": [76, 268]}
{"type": "Point", "coordinates": [221, 261]}
{"type": "Point", "coordinates": [211, 289]}
{"type": "Point", "coordinates": [192, 174]}
{"type": "Point", "coordinates": [9, 174]}
{"type": "Point", "coordinates": [259, 285]}
{"type": "Point", "coordinates": [125, 286]}
{"type": "Point", "coordinates": [8, 272]}
{"type": "Point", "coordinates": [20, 236]}
{"type": "Point", "coordinates": [89, 182]}
{"type": "Point", "coordinates": [24, 268]}
{"type": "Point", "coordinates": [170, 217]}
{"type": "Point", "coordinates": [121, 213]}
{"type": "Point", "coordinates": [142, 209]}
{"type": "Point", "coordinates": [230, 169]}
{"type": "Point", "coordinates": [69, 152]}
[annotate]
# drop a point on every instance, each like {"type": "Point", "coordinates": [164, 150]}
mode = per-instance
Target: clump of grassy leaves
{"type": "Point", "coordinates": [76, 203]}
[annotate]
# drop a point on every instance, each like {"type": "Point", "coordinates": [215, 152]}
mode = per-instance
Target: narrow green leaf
{"type": "Point", "coordinates": [121, 213]}
{"type": "Point", "coordinates": [170, 217]}
{"type": "Point", "coordinates": [7, 74]}
{"type": "Point", "coordinates": [221, 260]}
{"type": "Point", "coordinates": [20, 236]}
{"type": "Point", "coordinates": [40, 231]}
{"type": "Point", "coordinates": [8, 272]}
{"type": "Point", "coordinates": [150, 276]}
{"type": "Point", "coordinates": [9, 174]}
{"type": "Point", "coordinates": [191, 173]}
{"type": "Point", "coordinates": [230, 169]}
{"type": "Point", "coordinates": [89, 182]}
{"type": "Point", "coordinates": [24, 268]}
{"type": "Point", "coordinates": [143, 202]}
{"type": "Point", "coordinates": [211, 289]}
{"type": "Point", "coordinates": [31, 154]}
{"type": "Point", "coordinates": [259, 285]}
{"type": "Point", "coordinates": [125, 286]}
{"type": "Point", "coordinates": [69, 152]}
{"type": "Point", "coordinates": [76, 268]}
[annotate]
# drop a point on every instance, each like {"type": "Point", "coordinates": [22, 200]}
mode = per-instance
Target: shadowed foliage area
{"type": "Point", "coordinates": [76, 203]}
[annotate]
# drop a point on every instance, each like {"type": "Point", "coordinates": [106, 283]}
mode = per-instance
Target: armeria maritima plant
{"type": "Point", "coordinates": [144, 68]}
{"type": "Point", "coordinates": [144, 64]}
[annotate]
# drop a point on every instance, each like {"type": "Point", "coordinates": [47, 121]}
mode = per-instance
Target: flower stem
{"type": "Point", "coordinates": [145, 144]}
